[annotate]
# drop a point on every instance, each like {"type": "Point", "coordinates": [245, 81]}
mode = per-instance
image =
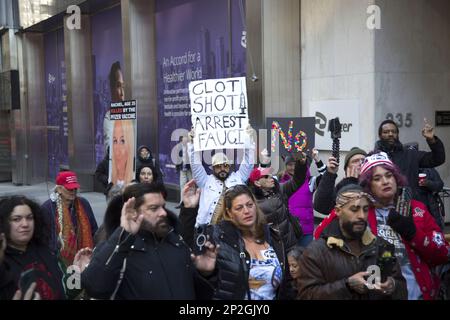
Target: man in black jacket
{"type": "Point", "coordinates": [409, 160]}
{"type": "Point", "coordinates": [429, 188]}
{"type": "Point", "coordinates": [325, 197]}
{"type": "Point", "coordinates": [273, 197]}
{"type": "Point", "coordinates": [145, 258]}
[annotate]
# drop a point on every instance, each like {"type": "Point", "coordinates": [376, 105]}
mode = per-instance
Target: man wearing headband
{"type": "Point", "coordinates": [419, 244]}
{"type": "Point", "coordinates": [337, 265]}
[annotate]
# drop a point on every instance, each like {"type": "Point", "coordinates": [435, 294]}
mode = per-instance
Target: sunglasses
{"type": "Point", "coordinates": [239, 188]}
{"type": "Point", "coordinates": [223, 165]}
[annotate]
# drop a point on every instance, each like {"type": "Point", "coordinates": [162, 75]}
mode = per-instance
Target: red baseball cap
{"type": "Point", "coordinates": [68, 180]}
{"type": "Point", "coordinates": [258, 173]}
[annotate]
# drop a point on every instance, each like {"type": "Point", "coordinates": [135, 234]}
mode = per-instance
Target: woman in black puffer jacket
{"type": "Point", "coordinates": [252, 261]}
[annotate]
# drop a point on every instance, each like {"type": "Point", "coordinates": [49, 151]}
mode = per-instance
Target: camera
{"type": "Point", "coordinates": [200, 240]}
{"type": "Point", "coordinates": [334, 126]}
{"type": "Point", "coordinates": [386, 261]}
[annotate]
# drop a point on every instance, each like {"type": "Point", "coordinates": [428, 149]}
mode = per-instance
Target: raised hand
{"type": "Point", "coordinates": [358, 283]}
{"type": "Point", "coordinates": [265, 158]}
{"type": "Point", "coordinates": [386, 288]}
{"type": "Point", "coordinates": [315, 155]}
{"type": "Point", "coordinates": [251, 133]}
{"type": "Point", "coordinates": [428, 130]}
{"type": "Point", "coordinates": [130, 220]}
{"type": "Point", "coordinates": [206, 262]}
{"type": "Point", "coordinates": [300, 156]}
{"type": "Point", "coordinates": [332, 165]}
{"type": "Point", "coordinates": [353, 171]}
{"type": "Point", "coordinates": [191, 134]}
{"type": "Point", "coordinates": [83, 258]}
{"type": "Point", "coordinates": [30, 294]}
{"type": "Point", "coordinates": [190, 195]}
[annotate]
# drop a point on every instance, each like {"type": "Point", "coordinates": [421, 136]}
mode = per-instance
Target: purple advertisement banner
{"type": "Point", "coordinates": [106, 28]}
{"type": "Point", "coordinates": [56, 102]}
{"type": "Point", "coordinates": [192, 42]}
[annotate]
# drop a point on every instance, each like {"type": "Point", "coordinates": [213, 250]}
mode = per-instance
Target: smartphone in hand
{"type": "Point", "coordinates": [26, 279]}
{"type": "Point", "coordinates": [386, 261]}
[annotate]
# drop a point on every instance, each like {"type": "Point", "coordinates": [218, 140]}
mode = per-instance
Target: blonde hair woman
{"type": "Point", "coordinates": [123, 151]}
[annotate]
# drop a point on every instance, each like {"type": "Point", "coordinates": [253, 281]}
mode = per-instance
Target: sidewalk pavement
{"type": "Point", "coordinates": [41, 193]}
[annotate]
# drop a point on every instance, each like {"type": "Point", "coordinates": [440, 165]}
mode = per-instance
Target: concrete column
{"type": "Point", "coordinates": [8, 61]}
{"type": "Point", "coordinates": [402, 69]}
{"type": "Point", "coordinates": [80, 107]}
{"type": "Point", "coordinates": [30, 122]}
{"type": "Point", "coordinates": [138, 31]}
{"type": "Point", "coordinates": [18, 137]}
{"type": "Point", "coordinates": [412, 65]}
{"type": "Point", "coordinates": [281, 57]}
{"type": "Point", "coordinates": [338, 60]}
{"type": "Point", "coordinates": [254, 62]}
{"type": "Point", "coordinates": [273, 55]}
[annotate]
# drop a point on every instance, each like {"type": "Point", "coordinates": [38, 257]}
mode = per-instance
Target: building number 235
{"type": "Point", "coordinates": [401, 119]}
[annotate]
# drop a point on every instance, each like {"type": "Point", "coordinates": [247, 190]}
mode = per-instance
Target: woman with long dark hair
{"type": "Point", "coordinates": [27, 257]}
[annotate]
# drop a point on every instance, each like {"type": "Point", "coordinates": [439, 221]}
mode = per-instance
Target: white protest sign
{"type": "Point", "coordinates": [219, 113]}
{"type": "Point", "coordinates": [348, 113]}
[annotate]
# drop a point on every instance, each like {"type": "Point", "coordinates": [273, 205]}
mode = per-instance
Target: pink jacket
{"type": "Point", "coordinates": [301, 204]}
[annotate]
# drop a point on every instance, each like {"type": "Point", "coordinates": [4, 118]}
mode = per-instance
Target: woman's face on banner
{"type": "Point", "coordinates": [120, 147]}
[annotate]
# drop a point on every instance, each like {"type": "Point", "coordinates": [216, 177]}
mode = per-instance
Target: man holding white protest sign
{"type": "Point", "coordinates": [220, 121]}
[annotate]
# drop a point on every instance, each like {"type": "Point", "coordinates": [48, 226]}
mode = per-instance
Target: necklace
{"type": "Point", "coordinates": [257, 241]}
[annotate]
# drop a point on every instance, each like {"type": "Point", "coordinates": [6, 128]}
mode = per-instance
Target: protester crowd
{"type": "Point", "coordinates": [244, 233]}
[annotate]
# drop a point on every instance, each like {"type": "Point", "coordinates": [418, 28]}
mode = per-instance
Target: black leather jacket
{"type": "Point", "coordinates": [275, 206]}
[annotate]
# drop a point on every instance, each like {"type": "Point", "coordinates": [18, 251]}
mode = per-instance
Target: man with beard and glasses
{"type": "Point", "coordinates": [409, 160]}
{"type": "Point", "coordinates": [213, 186]}
{"type": "Point", "coordinates": [145, 258]}
{"type": "Point", "coordinates": [336, 266]}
